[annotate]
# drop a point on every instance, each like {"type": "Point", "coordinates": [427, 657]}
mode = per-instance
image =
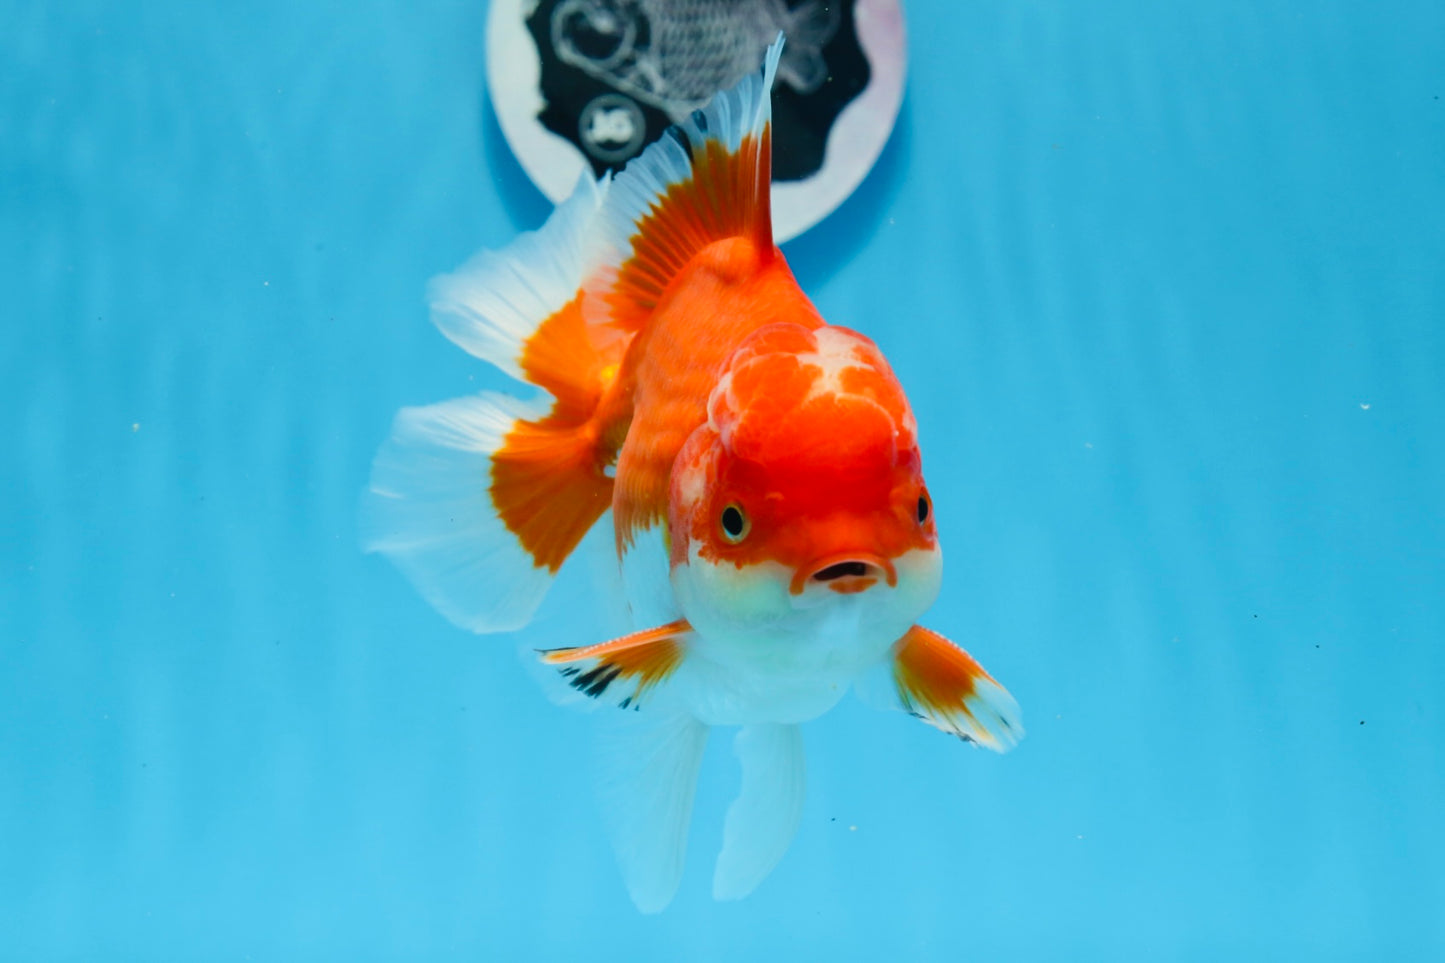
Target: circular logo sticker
{"type": "Point", "coordinates": [590, 83]}
{"type": "Point", "coordinates": [611, 129]}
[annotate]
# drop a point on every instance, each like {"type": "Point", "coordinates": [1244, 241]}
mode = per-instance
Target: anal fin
{"type": "Point", "coordinates": [944, 686]}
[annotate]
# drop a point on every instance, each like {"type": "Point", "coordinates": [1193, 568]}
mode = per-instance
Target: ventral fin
{"type": "Point", "coordinates": [623, 670]}
{"type": "Point", "coordinates": [944, 686]}
{"type": "Point", "coordinates": [762, 821]}
{"type": "Point", "coordinates": [646, 766]}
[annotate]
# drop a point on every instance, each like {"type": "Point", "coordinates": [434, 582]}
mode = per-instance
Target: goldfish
{"type": "Point", "coordinates": [775, 539]}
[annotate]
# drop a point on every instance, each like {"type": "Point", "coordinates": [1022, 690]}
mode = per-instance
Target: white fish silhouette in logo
{"type": "Point", "coordinates": [675, 54]}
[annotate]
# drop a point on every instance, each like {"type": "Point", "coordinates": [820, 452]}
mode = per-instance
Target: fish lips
{"type": "Point", "coordinates": [843, 573]}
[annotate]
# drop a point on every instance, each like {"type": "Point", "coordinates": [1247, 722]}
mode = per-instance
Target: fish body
{"type": "Point", "coordinates": [762, 472]}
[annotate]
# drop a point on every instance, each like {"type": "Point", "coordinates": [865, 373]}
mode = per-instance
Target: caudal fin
{"type": "Point", "coordinates": [493, 304]}
{"type": "Point", "coordinates": [479, 500]}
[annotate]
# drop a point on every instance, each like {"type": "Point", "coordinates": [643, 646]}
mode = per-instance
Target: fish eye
{"type": "Point", "coordinates": [923, 508]}
{"type": "Point", "coordinates": [734, 523]}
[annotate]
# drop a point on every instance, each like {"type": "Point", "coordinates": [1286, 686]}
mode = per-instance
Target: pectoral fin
{"type": "Point", "coordinates": [945, 687]}
{"type": "Point", "coordinates": [625, 669]}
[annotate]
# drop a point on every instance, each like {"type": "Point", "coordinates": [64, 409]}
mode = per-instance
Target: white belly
{"type": "Point", "coordinates": [760, 654]}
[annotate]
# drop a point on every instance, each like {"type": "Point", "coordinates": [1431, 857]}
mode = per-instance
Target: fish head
{"type": "Point", "coordinates": [803, 492]}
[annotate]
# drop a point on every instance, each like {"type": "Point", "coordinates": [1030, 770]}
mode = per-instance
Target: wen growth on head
{"type": "Point", "coordinates": [762, 469]}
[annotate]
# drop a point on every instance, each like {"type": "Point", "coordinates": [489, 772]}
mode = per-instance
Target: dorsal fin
{"type": "Point", "coordinates": [704, 181]}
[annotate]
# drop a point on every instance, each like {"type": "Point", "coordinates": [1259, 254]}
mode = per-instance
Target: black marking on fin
{"type": "Point", "coordinates": [595, 681]}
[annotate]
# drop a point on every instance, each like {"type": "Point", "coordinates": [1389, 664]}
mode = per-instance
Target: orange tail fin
{"type": "Point", "coordinates": [479, 500]}
{"type": "Point", "coordinates": [548, 479]}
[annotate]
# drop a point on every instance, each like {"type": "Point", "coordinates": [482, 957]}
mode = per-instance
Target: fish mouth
{"type": "Point", "coordinates": [846, 574]}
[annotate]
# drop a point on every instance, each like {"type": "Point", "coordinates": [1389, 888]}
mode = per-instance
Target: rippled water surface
{"type": "Point", "coordinates": [1164, 283]}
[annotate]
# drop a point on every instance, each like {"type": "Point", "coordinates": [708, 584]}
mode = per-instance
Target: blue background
{"type": "Point", "coordinates": [1165, 284]}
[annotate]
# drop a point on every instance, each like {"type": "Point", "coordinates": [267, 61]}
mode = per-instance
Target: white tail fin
{"type": "Point", "coordinates": [430, 510]}
{"type": "Point", "coordinates": [496, 301]}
